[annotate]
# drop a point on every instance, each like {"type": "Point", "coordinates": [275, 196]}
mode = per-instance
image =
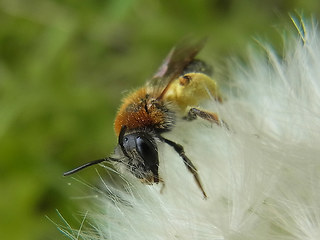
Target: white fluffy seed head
{"type": "Point", "coordinates": [262, 176]}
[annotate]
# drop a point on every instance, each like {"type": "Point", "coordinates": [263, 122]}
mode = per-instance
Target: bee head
{"type": "Point", "coordinates": [140, 154]}
{"type": "Point", "coordinates": [137, 151]}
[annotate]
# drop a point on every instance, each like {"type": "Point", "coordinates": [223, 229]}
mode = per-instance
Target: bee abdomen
{"type": "Point", "coordinates": [198, 66]}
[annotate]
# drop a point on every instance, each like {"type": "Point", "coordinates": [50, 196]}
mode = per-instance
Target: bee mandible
{"type": "Point", "coordinates": [174, 91]}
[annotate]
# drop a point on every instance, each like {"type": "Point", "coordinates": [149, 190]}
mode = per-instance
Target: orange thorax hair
{"type": "Point", "coordinates": [140, 110]}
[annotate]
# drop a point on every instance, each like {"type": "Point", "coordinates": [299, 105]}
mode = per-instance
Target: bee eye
{"type": "Point", "coordinates": [147, 150]}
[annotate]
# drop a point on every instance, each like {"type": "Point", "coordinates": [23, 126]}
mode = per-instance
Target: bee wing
{"type": "Point", "coordinates": [173, 65]}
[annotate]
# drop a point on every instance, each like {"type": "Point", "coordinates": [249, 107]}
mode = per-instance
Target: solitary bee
{"type": "Point", "coordinates": [178, 86]}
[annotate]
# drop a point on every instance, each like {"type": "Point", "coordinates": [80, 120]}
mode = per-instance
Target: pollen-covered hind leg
{"type": "Point", "coordinates": [179, 149]}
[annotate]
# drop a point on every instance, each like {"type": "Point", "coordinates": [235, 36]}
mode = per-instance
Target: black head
{"type": "Point", "coordinates": [137, 151]}
{"type": "Point", "coordinates": [140, 154]}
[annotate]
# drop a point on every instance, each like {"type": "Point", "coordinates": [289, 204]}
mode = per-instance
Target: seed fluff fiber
{"type": "Point", "coordinates": [262, 175]}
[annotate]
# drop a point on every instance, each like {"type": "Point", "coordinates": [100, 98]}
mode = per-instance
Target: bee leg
{"type": "Point", "coordinates": [209, 116]}
{"type": "Point", "coordinates": [179, 149]}
{"type": "Point", "coordinates": [195, 112]}
{"type": "Point", "coordinates": [162, 185]}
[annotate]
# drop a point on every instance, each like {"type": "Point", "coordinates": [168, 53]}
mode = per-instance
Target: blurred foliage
{"type": "Point", "coordinates": [64, 66]}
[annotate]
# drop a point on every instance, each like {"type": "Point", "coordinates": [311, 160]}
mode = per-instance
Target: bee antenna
{"type": "Point", "coordinates": [87, 165]}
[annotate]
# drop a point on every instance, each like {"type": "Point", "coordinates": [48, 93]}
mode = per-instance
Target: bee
{"type": "Point", "coordinates": [175, 91]}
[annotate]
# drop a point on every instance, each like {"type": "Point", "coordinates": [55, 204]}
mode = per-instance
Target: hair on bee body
{"type": "Point", "coordinates": [181, 83]}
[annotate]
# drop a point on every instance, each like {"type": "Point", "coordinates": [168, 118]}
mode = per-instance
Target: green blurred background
{"type": "Point", "coordinates": [64, 66]}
